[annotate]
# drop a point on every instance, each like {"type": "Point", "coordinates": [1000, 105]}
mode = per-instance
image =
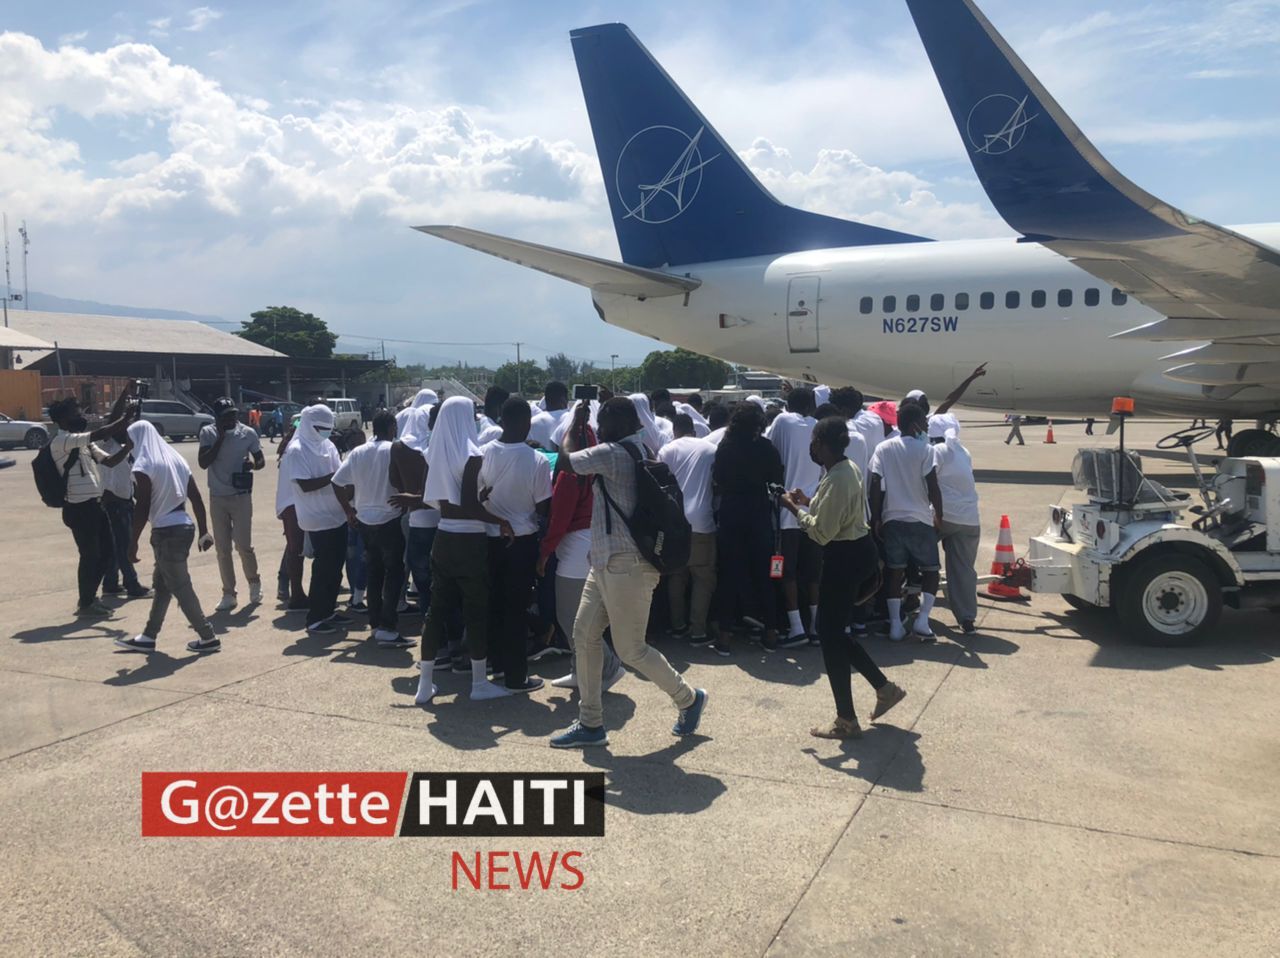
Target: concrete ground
{"type": "Point", "coordinates": [1045, 788]}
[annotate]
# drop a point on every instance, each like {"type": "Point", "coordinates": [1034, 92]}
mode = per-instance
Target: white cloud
{"type": "Point", "coordinates": [201, 17]}
{"type": "Point", "coordinates": [159, 28]}
{"type": "Point", "coordinates": [70, 39]}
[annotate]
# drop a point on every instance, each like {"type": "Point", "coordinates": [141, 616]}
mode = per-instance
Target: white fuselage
{"type": "Point", "coordinates": [893, 318]}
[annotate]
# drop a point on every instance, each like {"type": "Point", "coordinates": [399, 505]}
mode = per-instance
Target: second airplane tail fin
{"type": "Point", "coordinates": [678, 193]}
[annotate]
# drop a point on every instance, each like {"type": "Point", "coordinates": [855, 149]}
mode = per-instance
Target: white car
{"type": "Point", "coordinates": [346, 414]}
{"type": "Point", "coordinates": [19, 432]}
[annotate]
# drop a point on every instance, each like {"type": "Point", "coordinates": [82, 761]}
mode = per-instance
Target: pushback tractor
{"type": "Point", "coordinates": [1166, 562]}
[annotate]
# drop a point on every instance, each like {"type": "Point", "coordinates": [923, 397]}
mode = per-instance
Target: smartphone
{"type": "Point", "coordinates": [589, 393]}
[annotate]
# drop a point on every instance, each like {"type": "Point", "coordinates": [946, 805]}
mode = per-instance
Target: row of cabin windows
{"type": "Point", "coordinates": [1012, 300]}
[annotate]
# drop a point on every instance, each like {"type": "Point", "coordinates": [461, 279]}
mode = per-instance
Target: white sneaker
{"type": "Point", "coordinates": [569, 681]}
{"type": "Point", "coordinates": [619, 674]}
{"type": "Point", "coordinates": [255, 593]}
{"type": "Point", "coordinates": [227, 604]}
{"type": "Point", "coordinates": [487, 690]}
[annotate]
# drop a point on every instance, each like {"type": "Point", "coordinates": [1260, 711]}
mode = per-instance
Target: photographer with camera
{"type": "Point", "coordinates": [230, 452]}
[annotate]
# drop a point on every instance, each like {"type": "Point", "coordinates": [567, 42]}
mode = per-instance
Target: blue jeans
{"type": "Point", "coordinates": [418, 561]}
{"type": "Point", "coordinates": [118, 567]}
{"type": "Point", "coordinates": [357, 567]}
{"type": "Point", "coordinates": [906, 542]}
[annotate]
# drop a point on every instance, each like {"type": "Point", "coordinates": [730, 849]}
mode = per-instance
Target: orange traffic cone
{"type": "Point", "coordinates": [1049, 440]}
{"type": "Point", "coordinates": [1002, 564]}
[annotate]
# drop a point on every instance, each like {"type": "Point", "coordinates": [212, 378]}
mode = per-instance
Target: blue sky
{"type": "Point", "coordinates": [221, 158]}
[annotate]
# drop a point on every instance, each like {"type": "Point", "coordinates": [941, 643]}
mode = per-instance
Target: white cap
{"type": "Point", "coordinates": [916, 394]}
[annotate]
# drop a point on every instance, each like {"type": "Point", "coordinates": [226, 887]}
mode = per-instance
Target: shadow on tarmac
{"type": "Point", "coordinates": [74, 630]}
{"type": "Point", "coordinates": [1250, 640]}
{"type": "Point", "coordinates": [157, 665]}
{"type": "Point", "coordinates": [654, 784]}
{"type": "Point", "coordinates": [885, 755]}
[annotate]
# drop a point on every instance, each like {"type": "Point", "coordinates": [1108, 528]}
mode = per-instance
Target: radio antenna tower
{"type": "Point", "coordinates": [26, 245]}
{"type": "Point", "coordinates": [8, 289]}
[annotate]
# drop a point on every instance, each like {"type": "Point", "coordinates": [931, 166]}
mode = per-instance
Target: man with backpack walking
{"type": "Point", "coordinates": [632, 518]}
{"type": "Point", "coordinates": [66, 474]}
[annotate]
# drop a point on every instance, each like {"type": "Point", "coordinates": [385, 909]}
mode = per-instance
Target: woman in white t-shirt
{"type": "Point", "coordinates": [162, 488]}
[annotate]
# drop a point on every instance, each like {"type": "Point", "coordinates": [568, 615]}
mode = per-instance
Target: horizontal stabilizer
{"type": "Point", "coordinates": [1245, 374]}
{"type": "Point", "coordinates": [598, 275]}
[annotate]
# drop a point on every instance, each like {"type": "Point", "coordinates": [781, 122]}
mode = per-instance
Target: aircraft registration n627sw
{"type": "Point", "coordinates": [1107, 291]}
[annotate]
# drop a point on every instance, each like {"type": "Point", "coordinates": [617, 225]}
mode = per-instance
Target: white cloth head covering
{"type": "Point", "coordinates": [415, 429]}
{"type": "Point", "coordinates": [821, 394]}
{"type": "Point", "coordinates": [167, 471]}
{"type": "Point", "coordinates": [315, 448]}
{"type": "Point", "coordinates": [943, 426]}
{"type": "Point", "coordinates": [758, 400]}
{"type": "Point", "coordinates": [654, 437]}
{"type": "Point", "coordinates": [425, 397]}
{"type": "Point", "coordinates": [701, 428]}
{"type": "Point", "coordinates": [916, 394]}
{"type": "Point", "coordinates": [453, 442]}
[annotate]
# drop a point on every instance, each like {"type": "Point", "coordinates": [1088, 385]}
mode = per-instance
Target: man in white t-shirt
{"type": "Point", "coordinates": [906, 509]}
{"type": "Point", "coordinates": [77, 455]}
{"type": "Point", "coordinates": [790, 434]}
{"type": "Point", "coordinates": [363, 480]}
{"type": "Point", "coordinates": [546, 420]}
{"type": "Point", "coordinates": [690, 460]}
{"type": "Point", "coordinates": [961, 531]}
{"type": "Point", "coordinates": [515, 485]}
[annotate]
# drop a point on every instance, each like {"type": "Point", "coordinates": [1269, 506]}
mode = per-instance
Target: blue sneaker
{"type": "Point", "coordinates": [579, 736]}
{"type": "Point", "coordinates": [689, 718]}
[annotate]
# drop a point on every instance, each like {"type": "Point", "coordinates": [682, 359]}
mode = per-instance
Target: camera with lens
{"type": "Point", "coordinates": [141, 389]}
{"type": "Point", "coordinates": [777, 490]}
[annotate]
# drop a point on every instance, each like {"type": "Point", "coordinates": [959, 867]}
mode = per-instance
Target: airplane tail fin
{"type": "Point", "coordinates": [678, 193]}
{"type": "Point", "coordinates": [1042, 174]}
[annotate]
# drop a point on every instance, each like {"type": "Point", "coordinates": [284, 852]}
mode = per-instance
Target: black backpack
{"type": "Point", "coordinates": [658, 525]}
{"type": "Point", "coordinates": [50, 482]}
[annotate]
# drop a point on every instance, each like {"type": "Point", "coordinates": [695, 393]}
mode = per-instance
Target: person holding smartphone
{"type": "Point", "coordinates": [230, 452]}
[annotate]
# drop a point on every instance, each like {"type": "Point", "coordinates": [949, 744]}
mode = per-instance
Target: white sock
{"type": "Point", "coordinates": [481, 687]}
{"type": "Point", "coordinates": [357, 596]}
{"type": "Point", "coordinates": [425, 689]}
{"type": "Point", "coordinates": [797, 627]}
{"type": "Point", "coordinates": [922, 619]}
{"type": "Point", "coordinates": [813, 619]}
{"type": "Point", "coordinates": [895, 616]}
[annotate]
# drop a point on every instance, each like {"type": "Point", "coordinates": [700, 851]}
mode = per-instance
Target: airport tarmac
{"type": "Point", "coordinates": [1046, 788]}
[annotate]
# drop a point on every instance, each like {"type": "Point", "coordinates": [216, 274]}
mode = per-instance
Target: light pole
{"type": "Point", "coordinates": [613, 372]}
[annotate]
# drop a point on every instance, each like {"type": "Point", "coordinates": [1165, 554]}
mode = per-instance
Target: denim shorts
{"type": "Point", "coordinates": [906, 542]}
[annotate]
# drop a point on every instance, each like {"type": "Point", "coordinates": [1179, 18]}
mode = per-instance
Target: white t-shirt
{"type": "Point", "coordinates": [427, 518]}
{"type": "Point", "coordinates": [870, 427]}
{"type": "Point", "coordinates": [117, 479]}
{"type": "Point", "coordinates": [902, 465]}
{"type": "Point", "coordinates": [368, 467]}
{"type": "Point", "coordinates": [83, 482]}
{"type": "Point", "coordinates": [856, 452]}
{"type": "Point", "coordinates": [518, 477]}
{"type": "Point", "coordinates": [715, 436]}
{"type": "Point", "coordinates": [690, 460]}
{"type": "Point", "coordinates": [790, 435]}
{"type": "Point", "coordinates": [955, 479]}
{"type": "Point", "coordinates": [542, 427]}
{"type": "Point", "coordinates": [488, 431]}
{"type": "Point", "coordinates": [320, 509]}
{"type": "Point", "coordinates": [573, 554]}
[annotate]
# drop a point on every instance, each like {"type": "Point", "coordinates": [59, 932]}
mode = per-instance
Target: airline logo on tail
{"type": "Point", "coordinates": [659, 173]}
{"type": "Point", "coordinates": [997, 123]}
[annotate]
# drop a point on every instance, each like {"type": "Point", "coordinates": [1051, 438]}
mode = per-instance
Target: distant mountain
{"type": "Point", "coordinates": [60, 304]}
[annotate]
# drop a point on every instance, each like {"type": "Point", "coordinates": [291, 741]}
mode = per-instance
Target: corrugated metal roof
{"type": "Point", "coordinates": [11, 338]}
{"type": "Point", "coordinates": [178, 337]}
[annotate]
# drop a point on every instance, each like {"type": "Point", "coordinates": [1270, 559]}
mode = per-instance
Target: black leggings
{"type": "Point", "coordinates": [846, 566]}
{"type": "Point", "coordinates": [92, 531]}
{"type": "Point", "coordinates": [744, 544]}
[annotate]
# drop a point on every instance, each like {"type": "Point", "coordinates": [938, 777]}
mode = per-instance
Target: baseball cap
{"type": "Point", "coordinates": [223, 406]}
{"type": "Point", "coordinates": [886, 410]}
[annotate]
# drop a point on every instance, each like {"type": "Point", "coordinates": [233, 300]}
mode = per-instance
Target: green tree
{"type": "Point", "coordinates": [563, 368]}
{"type": "Point", "coordinates": [526, 379]}
{"type": "Point", "coordinates": [290, 331]}
{"type": "Point", "coordinates": [680, 367]}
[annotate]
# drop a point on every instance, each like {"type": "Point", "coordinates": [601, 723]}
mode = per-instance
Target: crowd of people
{"type": "Point", "coordinates": [514, 531]}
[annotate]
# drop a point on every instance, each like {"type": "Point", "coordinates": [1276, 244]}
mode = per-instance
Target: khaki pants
{"type": "Point", "coordinates": [692, 611]}
{"type": "Point", "coordinates": [232, 518]}
{"type": "Point", "coordinates": [618, 596]}
{"type": "Point", "coordinates": [172, 580]}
